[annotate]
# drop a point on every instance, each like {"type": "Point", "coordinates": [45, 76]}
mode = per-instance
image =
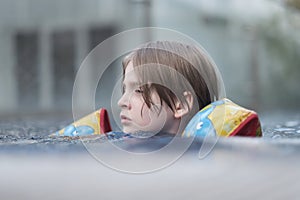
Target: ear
{"type": "Point", "coordinates": [183, 108]}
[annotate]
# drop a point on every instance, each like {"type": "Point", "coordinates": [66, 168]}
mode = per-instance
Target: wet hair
{"type": "Point", "coordinates": [172, 68]}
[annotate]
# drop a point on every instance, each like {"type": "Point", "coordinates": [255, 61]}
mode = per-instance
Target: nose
{"type": "Point", "coordinates": [124, 101]}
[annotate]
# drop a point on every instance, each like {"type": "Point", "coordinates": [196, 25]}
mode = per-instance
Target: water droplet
{"type": "Point", "coordinates": [276, 137]}
{"type": "Point", "coordinates": [284, 129]}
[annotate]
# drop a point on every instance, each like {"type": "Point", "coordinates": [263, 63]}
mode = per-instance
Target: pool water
{"type": "Point", "coordinates": [36, 166]}
{"type": "Point", "coordinates": [35, 129]}
{"type": "Point", "coordinates": [280, 125]}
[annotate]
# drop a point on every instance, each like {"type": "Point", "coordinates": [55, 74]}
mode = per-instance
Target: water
{"type": "Point", "coordinates": [281, 125]}
{"type": "Point", "coordinates": [36, 166]}
{"type": "Point", "coordinates": [35, 129]}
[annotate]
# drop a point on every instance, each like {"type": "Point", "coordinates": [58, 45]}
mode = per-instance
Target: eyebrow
{"type": "Point", "coordinates": [132, 83]}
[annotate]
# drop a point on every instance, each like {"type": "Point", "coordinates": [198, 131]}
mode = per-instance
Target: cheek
{"type": "Point", "coordinates": [144, 115]}
{"type": "Point", "coordinates": [140, 113]}
{"type": "Point", "coordinates": [157, 121]}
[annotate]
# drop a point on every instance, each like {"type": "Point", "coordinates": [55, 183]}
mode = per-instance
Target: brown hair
{"type": "Point", "coordinates": [167, 66]}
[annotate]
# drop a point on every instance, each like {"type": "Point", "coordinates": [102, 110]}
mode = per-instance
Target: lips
{"type": "Point", "coordinates": [124, 119]}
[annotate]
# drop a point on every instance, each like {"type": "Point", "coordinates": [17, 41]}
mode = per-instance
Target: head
{"type": "Point", "coordinates": [164, 84]}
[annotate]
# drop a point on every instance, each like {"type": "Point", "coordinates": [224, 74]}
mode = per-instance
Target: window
{"type": "Point", "coordinates": [63, 60]}
{"type": "Point", "coordinates": [26, 48]}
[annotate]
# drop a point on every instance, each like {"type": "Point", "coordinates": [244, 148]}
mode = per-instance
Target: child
{"type": "Point", "coordinates": [166, 83]}
{"type": "Point", "coordinates": [164, 87]}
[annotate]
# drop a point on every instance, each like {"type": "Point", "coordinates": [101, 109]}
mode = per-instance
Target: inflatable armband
{"type": "Point", "coordinates": [224, 118]}
{"type": "Point", "coordinates": [94, 123]}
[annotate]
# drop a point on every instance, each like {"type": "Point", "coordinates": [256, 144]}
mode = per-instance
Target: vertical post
{"type": "Point", "coordinates": [147, 4]}
{"type": "Point", "coordinates": [141, 15]}
{"type": "Point", "coordinates": [45, 72]}
{"type": "Point", "coordinates": [81, 53]}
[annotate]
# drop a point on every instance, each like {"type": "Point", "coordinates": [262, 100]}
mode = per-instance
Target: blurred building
{"type": "Point", "coordinates": [43, 42]}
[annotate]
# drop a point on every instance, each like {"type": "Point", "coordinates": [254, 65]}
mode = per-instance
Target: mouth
{"type": "Point", "coordinates": [124, 119]}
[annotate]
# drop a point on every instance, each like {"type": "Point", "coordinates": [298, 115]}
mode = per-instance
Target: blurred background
{"type": "Point", "coordinates": [255, 44]}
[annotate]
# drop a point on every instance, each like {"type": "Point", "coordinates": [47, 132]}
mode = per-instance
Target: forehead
{"type": "Point", "coordinates": [130, 76]}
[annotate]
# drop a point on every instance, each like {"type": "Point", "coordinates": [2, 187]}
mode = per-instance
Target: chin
{"type": "Point", "coordinates": [127, 130]}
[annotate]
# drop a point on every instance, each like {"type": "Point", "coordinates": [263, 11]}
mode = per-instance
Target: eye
{"type": "Point", "coordinates": [139, 90]}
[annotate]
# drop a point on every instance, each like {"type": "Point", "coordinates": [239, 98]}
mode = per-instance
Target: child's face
{"type": "Point", "coordinates": [135, 114]}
